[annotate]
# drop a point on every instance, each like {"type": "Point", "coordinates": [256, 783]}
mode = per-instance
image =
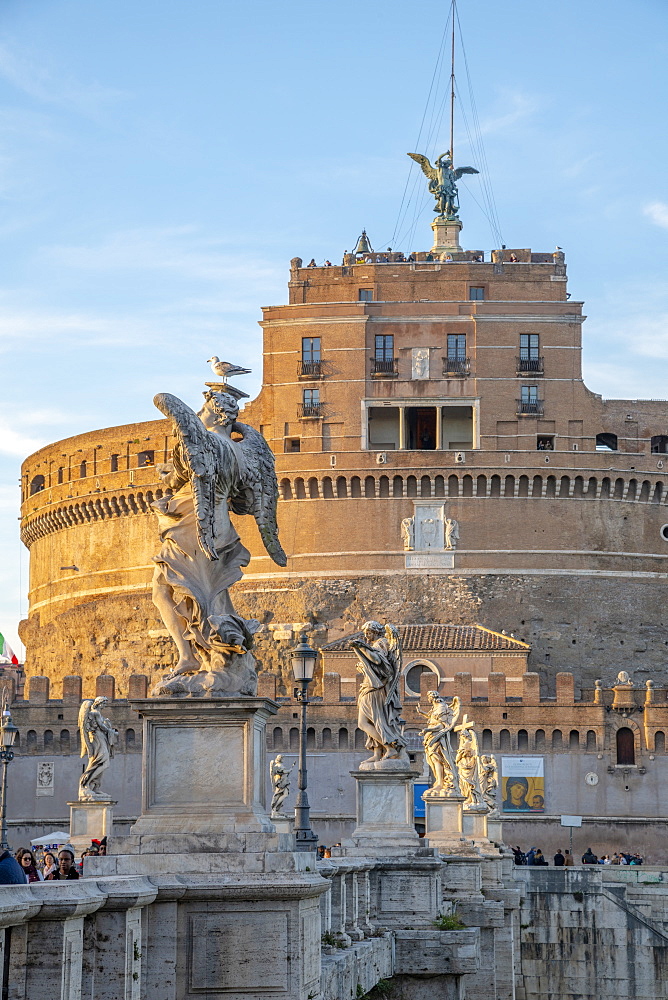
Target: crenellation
{"type": "Point", "coordinates": [105, 687]}
{"type": "Point", "coordinates": [72, 686]}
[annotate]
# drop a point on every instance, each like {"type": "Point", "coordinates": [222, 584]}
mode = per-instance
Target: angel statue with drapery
{"type": "Point", "coordinates": [442, 716]}
{"type": "Point", "coordinates": [379, 700]}
{"type": "Point", "coordinates": [218, 465]}
{"type": "Point", "coordinates": [443, 179]}
{"type": "Point", "coordinates": [98, 737]}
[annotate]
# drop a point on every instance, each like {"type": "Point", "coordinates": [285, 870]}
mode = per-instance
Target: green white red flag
{"type": "Point", "coordinates": [7, 654]}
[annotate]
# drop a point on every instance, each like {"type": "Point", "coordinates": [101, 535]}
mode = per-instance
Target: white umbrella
{"type": "Point", "coordinates": [54, 839]}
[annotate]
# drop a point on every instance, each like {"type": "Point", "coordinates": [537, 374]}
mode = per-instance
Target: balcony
{"type": "Point", "coordinates": [531, 366]}
{"type": "Point", "coordinates": [310, 369]}
{"type": "Point", "coordinates": [456, 367]}
{"type": "Point", "coordinates": [310, 410]}
{"type": "Point", "coordinates": [529, 407]}
{"type": "Point", "coordinates": [384, 368]}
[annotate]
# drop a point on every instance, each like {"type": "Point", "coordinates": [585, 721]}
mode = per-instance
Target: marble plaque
{"type": "Point", "coordinates": [192, 764]}
{"type": "Point", "coordinates": [238, 951]}
{"type": "Point", "coordinates": [45, 777]}
{"type": "Point", "coordinates": [406, 893]}
{"type": "Point", "coordinates": [429, 530]}
{"type": "Point", "coordinates": [311, 946]}
{"type": "Point", "coordinates": [435, 560]}
{"type": "Point", "coordinates": [420, 362]}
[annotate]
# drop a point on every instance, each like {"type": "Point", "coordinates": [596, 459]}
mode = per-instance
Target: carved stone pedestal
{"type": "Point", "coordinates": [446, 234]}
{"type": "Point", "coordinates": [384, 811]}
{"type": "Point", "coordinates": [494, 829]}
{"type": "Point", "coordinates": [443, 821]}
{"type": "Point", "coordinates": [283, 824]}
{"type": "Point", "coordinates": [475, 824]}
{"type": "Point", "coordinates": [90, 820]}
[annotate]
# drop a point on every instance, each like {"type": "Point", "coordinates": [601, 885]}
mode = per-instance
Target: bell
{"type": "Point", "coordinates": [363, 245]}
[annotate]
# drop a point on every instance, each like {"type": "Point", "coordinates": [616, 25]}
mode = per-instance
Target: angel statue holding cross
{"type": "Point", "coordinates": [468, 765]}
{"type": "Point", "coordinates": [219, 465]}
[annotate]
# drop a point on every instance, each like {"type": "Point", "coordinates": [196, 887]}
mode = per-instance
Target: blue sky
{"type": "Point", "coordinates": [161, 162]}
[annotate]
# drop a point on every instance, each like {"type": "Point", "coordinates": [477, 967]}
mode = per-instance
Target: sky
{"type": "Point", "coordinates": [161, 162]}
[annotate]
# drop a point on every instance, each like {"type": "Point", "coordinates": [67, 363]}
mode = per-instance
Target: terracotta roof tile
{"type": "Point", "coordinates": [436, 637]}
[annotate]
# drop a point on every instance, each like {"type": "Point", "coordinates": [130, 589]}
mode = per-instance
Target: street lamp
{"type": "Point", "coordinates": [303, 665]}
{"type": "Point", "coordinates": [8, 734]}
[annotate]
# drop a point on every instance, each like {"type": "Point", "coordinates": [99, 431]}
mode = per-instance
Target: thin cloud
{"type": "Point", "coordinates": [15, 442]}
{"type": "Point", "coordinates": [657, 212]}
{"type": "Point", "coordinates": [520, 107]}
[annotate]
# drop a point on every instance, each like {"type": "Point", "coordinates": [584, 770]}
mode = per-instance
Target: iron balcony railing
{"type": "Point", "coordinates": [310, 369]}
{"type": "Point", "coordinates": [384, 366]}
{"type": "Point", "coordinates": [310, 410]}
{"type": "Point", "coordinates": [534, 366]}
{"type": "Point", "coordinates": [457, 366]}
{"type": "Point", "coordinates": [529, 407]}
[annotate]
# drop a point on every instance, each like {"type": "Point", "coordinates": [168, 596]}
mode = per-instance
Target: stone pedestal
{"type": "Point", "coordinates": [494, 829]}
{"type": "Point", "coordinates": [385, 810]}
{"type": "Point", "coordinates": [283, 824]}
{"type": "Point", "coordinates": [475, 824]}
{"type": "Point", "coordinates": [90, 820]}
{"type": "Point", "coordinates": [443, 821]}
{"type": "Point", "coordinates": [446, 234]}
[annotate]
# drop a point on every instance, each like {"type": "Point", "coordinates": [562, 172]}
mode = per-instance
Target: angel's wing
{"type": "Point", "coordinates": [460, 171]}
{"type": "Point", "coordinates": [86, 741]}
{"type": "Point", "coordinates": [272, 768]}
{"type": "Point", "coordinates": [261, 489]}
{"type": "Point", "coordinates": [426, 166]}
{"type": "Point", "coordinates": [199, 455]}
{"type": "Point", "coordinates": [394, 655]}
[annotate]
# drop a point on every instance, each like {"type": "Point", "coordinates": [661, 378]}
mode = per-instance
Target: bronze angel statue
{"type": "Point", "coordinates": [212, 473]}
{"type": "Point", "coordinates": [379, 698]}
{"type": "Point", "coordinates": [442, 179]}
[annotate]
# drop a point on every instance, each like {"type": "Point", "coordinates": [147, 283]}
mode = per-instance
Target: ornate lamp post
{"type": "Point", "coordinates": [303, 665]}
{"type": "Point", "coordinates": [8, 734]}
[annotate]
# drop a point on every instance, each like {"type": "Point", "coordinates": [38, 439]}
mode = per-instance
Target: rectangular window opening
{"type": "Point", "coordinates": [476, 293]}
{"type": "Point", "coordinates": [365, 295]}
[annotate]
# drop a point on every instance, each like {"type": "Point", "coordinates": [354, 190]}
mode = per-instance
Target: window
{"type": "Point", "coordinates": [130, 738]}
{"type": "Point", "coordinates": [360, 739]}
{"type": "Point", "coordinates": [456, 346]}
{"type": "Point", "coordinates": [365, 295]}
{"type": "Point", "coordinates": [529, 394]}
{"type": "Point", "coordinates": [61, 475]}
{"type": "Point", "coordinates": [37, 485]}
{"type": "Point", "coordinates": [545, 442]}
{"type": "Point", "coordinates": [310, 348]}
{"type": "Point", "coordinates": [343, 738]}
{"type": "Point", "coordinates": [293, 444]}
{"type": "Point", "coordinates": [659, 444]}
{"type": "Point", "coordinates": [144, 458]}
{"type": "Point", "coordinates": [82, 470]}
{"type": "Point", "coordinates": [606, 442]}
{"type": "Point", "coordinates": [529, 346]}
{"type": "Point", "coordinates": [384, 348]}
{"type": "Point", "coordinates": [114, 463]}
{"type": "Point", "coordinates": [311, 403]}
{"type": "Point", "coordinates": [626, 753]}
{"type": "Point", "coordinates": [476, 293]}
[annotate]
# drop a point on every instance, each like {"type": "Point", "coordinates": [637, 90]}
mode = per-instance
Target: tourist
{"type": "Point", "coordinates": [589, 858]}
{"type": "Point", "coordinates": [49, 864]}
{"type": "Point", "coordinates": [559, 859]}
{"type": "Point", "coordinates": [519, 855]}
{"type": "Point", "coordinates": [513, 258]}
{"type": "Point", "coordinates": [102, 849]}
{"type": "Point", "coordinates": [11, 872]}
{"type": "Point", "coordinates": [29, 865]}
{"type": "Point", "coordinates": [66, 869]}
{"type": "Point", "coordinates": [568, 859]}
{"type": "Point", "coordinates": [312, 263]}
{"type": "Point", "coordinates": [411, 258]}
{"type": "Point", "coordinates": [539, 859]}
{"type": "Point", "coordinates": [530, 856]}
{"type": "Point", "coordinates": [328, 263]}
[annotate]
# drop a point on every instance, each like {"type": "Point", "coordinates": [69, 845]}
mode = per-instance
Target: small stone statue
{"type": "Point", "coordinates": [489, 782]}
{"type": "Point", "coordinates": [408, 533]}
{"type": "Point", "coordinates": [98, 737]}
{"type": "Point", "coordinates": [467, 761]}
{"type": "Point", "coordinates": [379, 701]}
{"type": "Point", "coordinates": [451, 533]}
{"type": "Point", "coordinates": [436, 740]}
{"type": "Point", "coordinates": [281, 783]}
{"type": "Point", "coordinates": [442, 178]}
{"type": "Point", "coordinates": [623, 678]}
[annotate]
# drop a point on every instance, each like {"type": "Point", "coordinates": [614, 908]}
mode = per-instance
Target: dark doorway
{"type": "Point", "coordinates": [626, 753]}
{"type": "Point", "coordinates": [421, 422]}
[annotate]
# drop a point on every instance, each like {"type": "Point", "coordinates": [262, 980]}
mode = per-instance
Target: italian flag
{"type": "Point", "coordinates": [7, 654]}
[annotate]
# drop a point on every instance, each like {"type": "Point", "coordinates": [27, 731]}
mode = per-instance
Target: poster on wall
{"type": "Point", "coordinates": [522, 784]}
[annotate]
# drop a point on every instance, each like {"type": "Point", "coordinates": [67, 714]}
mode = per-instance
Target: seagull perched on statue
{"type": "Point", "coordinates": [225, 369]}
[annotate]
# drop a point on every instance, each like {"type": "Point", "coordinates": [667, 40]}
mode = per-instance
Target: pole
{"type": "Point", "coordinates": [305, 838]}
{"type": "Point", "coordinates": [452, 87]}
{"type": "Point", "coordinates": [4, 845]}
{"type": "Point", "coordinates": [571, 841]}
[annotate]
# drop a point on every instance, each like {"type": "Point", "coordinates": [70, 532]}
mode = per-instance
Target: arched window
{"type": "Point", "coordinates": [413, 675]}
{"type": "Point", "coordinates": [326, 739]}
{"type": "Point", "coordinates": [310, 738]}
{"type": "Point", "coordinates": [341, 487]}
{"type": "Point", "coordinates": [278, 738]}
{"type": "Point", "coordinates": [64, 741]}
{"type": "Point", "coordinates": [522, 740]}
{"type": "Point", "coordinates": [411, 486]}
{"type": "Point", "coordinates": [425, 486]}
{"type": "Point", "coordinates": [31, 740]}
{"type": "Point", "coordinates": [659, 444]}
{"type": "Point", "coordinates": [504, 739]}
{"type": "Point", "coordinates": [300, 492]}
{"type": "Point", "coordinates": [327, 489]}
{"type": "Point", "coordinates": [130, 739]}
{"type": "Point", "coordinates": [658, 491]}
{"type": "Point", "coordinates": [397, 486]}
{"type": "Point", "coordinates": [606, 442]}
{"type": "Point", "coordinates": [286, 489]}
{"type": "Point", "coordinates": [539, 739]}
{"type": "Point", "coordinates": [356, 486]}
{"type": "Point", "coordinates": [36, 485]}
{"type": "Point", "coordinates": [523, 490]}
{"type": "Point", "coordinates": [359, 739]}
{"type": "Point", "coordinates": [453, 486]}
{"type": "Point", "coordinates": [439, 486]}
{"type": "Point", "coordinates": [564, 486]}
{"type": "Point", "coordinates": [113, 463]}
{"type": "Point", "coordinates": [644, 491]}
{"type": "Point", "coordinates": [574, 740]}
{"type": "Point", "coordinates": [557, 740]}
{"type": "Point", "coordinates": [313, 488]}
{"type": "Point", "coordinates": [343, 738]}
{"type": "Point", "coordinates": [619, 489]}
{"type": "Point", "coordinates": [495, 486]}
{"type": "Point", "coordinates": [605, 488]}
{"type": "Point", "coordinates": [61, 475]}
{"type": "Point", "coordinates": [481, 486]}
{"type": "Point", "coordinates": [384, 486]}
{"type": "Point", "coordinates": [48, 739]}
{"type": "Point", "coordinates": [467, 486]}
{"type": "Point", "coordinates": [591, 739]}
{"type": "Point", "coordinates": [660, 742]}
{"type": "Point", "coordinates": [537, 486]}
{"type": "Point", "coordinates": [294, 738]}
{"type": "Point", "coordinates": [631, 492]}
{"type": "Point", "coordinates": [370, 487]}
{"type": "Point", "coordinates": [509, 486]}
{"type": "Point", "coordinates": [551, 490]}
{"type": "Point", "coordinates": [626, 751]}
{"type": "Point", "coordinates": [487, 739]}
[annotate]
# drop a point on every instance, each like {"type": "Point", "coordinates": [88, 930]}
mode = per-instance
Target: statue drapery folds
{"type": "Point", "coordinates": [379, 698]}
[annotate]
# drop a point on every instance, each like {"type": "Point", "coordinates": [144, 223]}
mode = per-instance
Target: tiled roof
{"type": "Point", "coordinates": [436, 637]}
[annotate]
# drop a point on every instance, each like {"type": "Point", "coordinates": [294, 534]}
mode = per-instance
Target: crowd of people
{"type": "Point", "coordinates": [564, 859]}
{"type": "Point", "coordinates": [26, 865]}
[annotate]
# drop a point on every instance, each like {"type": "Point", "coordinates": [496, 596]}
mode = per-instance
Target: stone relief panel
{"type": "Point", "coordinates": [45, 777]}
{"type": "Point", "coordinates": [420, 363]}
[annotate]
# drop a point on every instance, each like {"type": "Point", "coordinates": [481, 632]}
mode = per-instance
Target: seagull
{"type": "Point", "coordinates": [225, 369]}
{"type": "Point", "coordinates": [559, 248]}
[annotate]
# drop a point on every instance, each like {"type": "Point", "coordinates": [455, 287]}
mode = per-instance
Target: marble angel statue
{"type": "Point", "coordinates": [212, 473]}
{"type": "Point", "coordinates": [442, 179]}
{"type": "Point", "coordinates": [379, 700]}
{"type": "Point", "coordinates": [98, 737]}
{"type": "Point", "coordinates": [436, 741]}
{"type": "Point", "coordinates": [489, 781]}
{"type": "Point", "coordinates": [467, 761]}
{"type": "Point", "coordinates": [280, 779]}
